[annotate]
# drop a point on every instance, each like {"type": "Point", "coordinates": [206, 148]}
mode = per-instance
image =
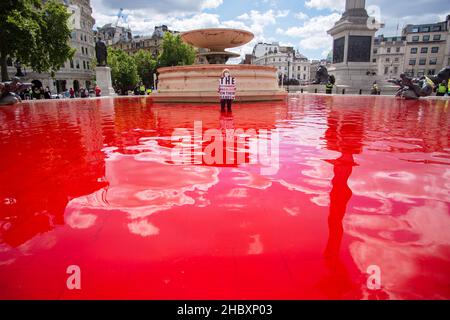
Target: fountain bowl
{"type": "Point", "coordinates": [217, 39]}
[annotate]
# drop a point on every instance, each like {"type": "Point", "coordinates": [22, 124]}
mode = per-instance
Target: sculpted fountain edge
{"type": "Point", "coordinates": [199, 83]}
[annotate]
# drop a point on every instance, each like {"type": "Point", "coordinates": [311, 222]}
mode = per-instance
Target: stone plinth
{"type": "Point", "coordinates": [103, 79]}
{"type": "Point", "coordinates": [353, 37]}
{"type": "Point", "coordinates": [199, 83]}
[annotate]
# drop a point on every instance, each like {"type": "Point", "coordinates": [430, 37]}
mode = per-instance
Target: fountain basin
{"type": "Point", "coordinates": [217, 39]}
{"type": "Point", "coordinates": [199, 83]}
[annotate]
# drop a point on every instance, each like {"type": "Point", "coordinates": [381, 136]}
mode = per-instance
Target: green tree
{"type": "Point", "coordinates": [124, 71]}
{"type": "Point", "coordinates": [35, 33]}
{"type": "Point", "coordinates": [146, 66]}
{"type": "Point", "coordinates": [175, 52]}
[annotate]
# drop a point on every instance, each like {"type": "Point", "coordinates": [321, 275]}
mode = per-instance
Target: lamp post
{"type": "Point", "coordinates": [289, 71]}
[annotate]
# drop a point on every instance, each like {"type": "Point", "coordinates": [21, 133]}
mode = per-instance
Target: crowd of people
{"type": "Point", "coordinates": [38, 93]}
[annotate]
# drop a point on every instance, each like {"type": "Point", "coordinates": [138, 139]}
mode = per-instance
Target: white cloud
{"type": "Point", "coordinates": [211, 4]}
{"type": "Point", "coordinates": [301, 16]}
{"type": "Point", "coordinates": [258, 20]}
{"type": "Point", "coordinates": [335, 5]}
{"type": "Point", "coordinates": [313, 33]}
{"type": "Point", "coordinates": [167, 6]}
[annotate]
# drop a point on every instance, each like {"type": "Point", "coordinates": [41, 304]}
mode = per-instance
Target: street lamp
{"type": "Point", "coordinates": [289, 71]}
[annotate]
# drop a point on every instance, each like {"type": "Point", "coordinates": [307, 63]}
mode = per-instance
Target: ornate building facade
{"type": "Point", "coordinates": [151, 43]}
{"type": "Point", "coordinates": [77, 72]}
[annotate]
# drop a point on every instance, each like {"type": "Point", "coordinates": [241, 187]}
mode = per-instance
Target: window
{"type": "Point", "coordinates": [422, 61]}
{"type": "Point", "coordinates": [299, 68]}
{"type": "Point", "coordinates": [304, 76]}
{"type": "Point", "coordinates": [375, 51]}
{"type": "Point", "coordinates": [415, 38]}
{"type": "Point", "coordinates": [413, 50]}
{"type": "Point", "coordinates": [437, 37]}
{"type": "Point", "coordinates": [426, 29]}
{"type": "Point", "coordinates": [78, 64]}
{"type": "Point", "coordinates": [433, 61]}
{"type": "Point", "coordinates": [434, 49]}
{"type": "Point", "coordinates": [396, 60]}
{"type": "Point", "coordinates": [415, 29]}
{"type": "Point", "coordinates": [374, 60]}
{"type": "Point", "coordinates": [386, 70]}
{"type": "Point", "coordinates": [436, 28]}
{"type": "Point", "coordinates": [304, 68]}
{"type": "Point", "coordinates": [388, 50]}
{"type": "Point", "coordinates": [71, 63]}
{"type": "Point", "coordinates": [431, 72]}
{"type": "Point", "coordinates": [87, 65]}
{"type": "Point", "coordinates": [388, 60]}
{"type": "Point", "coordinates": [412, 62]}
{"type": "Point", "coordinates": [397, 49]}
{"type": "Point", "coordinates": [420, 72]}
{"type": "Point", "coordinates": [395, 70]}
{"type": "Point", "coordinates": [410, 72]}
{"type": "Point", "coordinates": [426, 38]}
{"type": "Point", "coordinates": [84, 65]}
{"type": "Point", "coordinates": [424, 50]}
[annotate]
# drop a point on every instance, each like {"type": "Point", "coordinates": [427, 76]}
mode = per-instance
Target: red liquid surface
{"type": "Point", "coordinates": [359, 182]}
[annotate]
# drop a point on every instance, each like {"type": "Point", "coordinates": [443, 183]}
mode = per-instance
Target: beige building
{"type": "Point", "coordinates": [289, 63]}
{"type": "Point", "coordinates": [78, 71]}
{"type": "Point", "coordinates": [151, 43]}
{"type": "Point", "coordinates": [427, 48]}
{"type": "Point", "coordinates": [389, 56]}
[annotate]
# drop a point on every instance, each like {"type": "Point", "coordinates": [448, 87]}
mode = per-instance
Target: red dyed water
{"type": "Point", "coordinates": [358, 182]}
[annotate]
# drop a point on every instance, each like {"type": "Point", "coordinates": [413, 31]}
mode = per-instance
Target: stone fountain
{"type": "Point", "coordinates": [199, 83]}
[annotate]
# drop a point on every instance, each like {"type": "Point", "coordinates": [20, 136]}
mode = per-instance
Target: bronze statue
{"type": "Point", "coordinates": [9, 91]}
{"type": "Point", "coordinates": [443, 75]}
{"type": "Point", "coordinates": [322, 76]}
{"type": "Point", "coordinates": [414, 88]}
{"type": "Point", "coordinates": [101, 53]}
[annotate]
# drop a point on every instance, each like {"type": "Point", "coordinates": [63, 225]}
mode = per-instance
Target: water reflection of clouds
{"type": "Point", "coordinates": [143, 184]}
{"type": "Point", "coordinates": [399, 245]}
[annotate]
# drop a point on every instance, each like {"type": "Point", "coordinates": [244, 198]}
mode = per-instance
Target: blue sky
{"type": "Point", "coordinates": [302, 24]}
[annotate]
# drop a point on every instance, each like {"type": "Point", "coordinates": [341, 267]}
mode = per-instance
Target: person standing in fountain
{"type": "Point", "coordinates": [227, 90]}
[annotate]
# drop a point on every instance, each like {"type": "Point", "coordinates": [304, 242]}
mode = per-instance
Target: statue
{"type": "Point", "coordinates": [413, 88]}
{"type": "Point", "coordinates": [443, 75]}
{"type": "Point", "coordinates": [322, 76]}
{"type": "Point", "coordinates": [101, 53]}
{"type": "Point", "coordinates": [420, 87]}
{"type": "Point", "coordinates": [9, 91]}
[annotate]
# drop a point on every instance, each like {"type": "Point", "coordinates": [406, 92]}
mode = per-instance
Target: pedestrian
{"type": "Point", "coordinates": [47, 93]}
{"type": "Point", "coordinates": [442, 89]}
{"type": "Point", "coordinates": [142, 89]}
{"type": "Point", "coordinates": [84, 93]}
{"type": "Point", "coordinates": [375, 89]}
{"type": "Point", "coordinates": [98, 91]}
{"type": "Point", "coordinates": [71, 93]}
{"type": "Point", "coordinates": [227, 90]}
{"type": "Point", "coordinates": [37, 94]}
{"type": "Point", "coordinates": [329, 88]}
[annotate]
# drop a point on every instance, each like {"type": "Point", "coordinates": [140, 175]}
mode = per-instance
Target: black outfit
{"type": "Point", "coordinates": [225, 102]}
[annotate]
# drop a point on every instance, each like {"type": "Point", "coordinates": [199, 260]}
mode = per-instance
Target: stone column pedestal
{"type": "Point", "coordinates": [103, 75]}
